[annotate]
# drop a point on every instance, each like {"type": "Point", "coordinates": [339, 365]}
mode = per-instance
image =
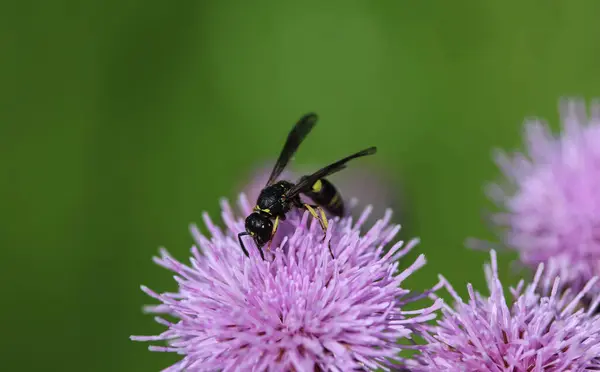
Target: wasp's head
{"type": "Point", "coordinates": [260, 227]}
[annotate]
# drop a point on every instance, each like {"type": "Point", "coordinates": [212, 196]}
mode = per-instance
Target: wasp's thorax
{"type": "Point", "coordinates": [271, 199]}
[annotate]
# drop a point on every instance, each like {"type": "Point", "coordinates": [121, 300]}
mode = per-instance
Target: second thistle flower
{"type": "Point", "coordinates": [552, 199]}
{"type": "Point", "coordinates": [541, 329]}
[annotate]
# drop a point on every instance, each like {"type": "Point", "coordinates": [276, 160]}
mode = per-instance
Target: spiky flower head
{"type": "Point", "coordinates": [543, 328]}
{"type": "Point", "coordinates": [300, 310]}
{"type": "Point", "coordinates": [551, 202]}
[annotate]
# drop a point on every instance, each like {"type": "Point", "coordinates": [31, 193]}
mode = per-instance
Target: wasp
{"type": "Point", "coordinates": [279, 197]}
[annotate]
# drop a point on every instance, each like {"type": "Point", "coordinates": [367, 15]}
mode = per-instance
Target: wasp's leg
{"type": "Point", "coordinates": [275, 226]}
{"type": "Point", "coordinates": [322, 218]}
{"type": "Point", "coordinates": [242, 243]}
{"type": "Point", "coordinates": [325, 225]}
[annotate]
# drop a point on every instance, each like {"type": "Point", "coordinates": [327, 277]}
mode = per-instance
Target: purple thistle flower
{"type": "Point", "coordinates": [542, 329]}
{"type": "Point", "coordinates": [299, 310]}
{"type": "Point", "coordinates": [552, 200]}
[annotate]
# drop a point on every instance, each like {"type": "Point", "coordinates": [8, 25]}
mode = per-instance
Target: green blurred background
{"type": "Point", "coordinates": [122, 120]}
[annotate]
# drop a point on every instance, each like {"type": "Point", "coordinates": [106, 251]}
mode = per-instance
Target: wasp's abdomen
{"type": "Point", "coordinates": [327, 196]}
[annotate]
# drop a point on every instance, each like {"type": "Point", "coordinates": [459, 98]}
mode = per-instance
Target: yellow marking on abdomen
{"type": "Point", "coordinates": [335, 200]}
{"type": "Point", "coordinates": [318, 186]}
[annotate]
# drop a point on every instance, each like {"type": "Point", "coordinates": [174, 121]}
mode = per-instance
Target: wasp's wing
{"type": "Point", "coordinates": [294, 139]}
{"type": "Point", "coordinates": [306, 183]}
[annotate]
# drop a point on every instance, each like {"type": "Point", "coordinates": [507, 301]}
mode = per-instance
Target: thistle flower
{"type": "Point", "coordinates": [552, 199]}
{"type": "Point", "coordinates": [542, 329]}
{"type": "Point", "coordinates": [300, 310]}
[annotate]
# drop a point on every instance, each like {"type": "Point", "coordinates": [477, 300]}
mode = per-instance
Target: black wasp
{"type": "Point", "coordinates": [278, 198]}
